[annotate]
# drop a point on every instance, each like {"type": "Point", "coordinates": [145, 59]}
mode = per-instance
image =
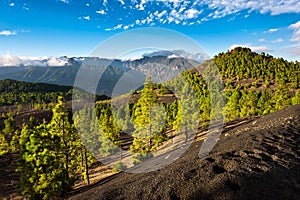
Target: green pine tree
{"type": "Point", "coordinates": [145, 122]}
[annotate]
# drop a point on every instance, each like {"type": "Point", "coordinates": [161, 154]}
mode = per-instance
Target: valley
{"type": "Point", "coordinates": [256, 107]}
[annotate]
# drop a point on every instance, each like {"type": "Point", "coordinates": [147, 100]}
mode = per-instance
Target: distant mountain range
{"type": "Point", "coordinates": [63, 70]}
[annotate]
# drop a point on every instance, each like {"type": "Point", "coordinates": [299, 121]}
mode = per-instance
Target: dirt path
{"type": "Point", "coordinates": [259, 159]}
{"type": "Point", "coordinates": [255, 158]}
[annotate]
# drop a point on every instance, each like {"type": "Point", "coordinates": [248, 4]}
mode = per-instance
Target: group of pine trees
{"type": "Point", "coordinates": [52, 156]}
{"type": "Point", "coordinates": [18, 92]}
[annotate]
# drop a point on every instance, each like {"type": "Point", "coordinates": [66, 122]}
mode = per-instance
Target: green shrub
{"type": "Point", "coordinates": [120, 166]}
{"type": "Point", "coordinates": [139, 157]}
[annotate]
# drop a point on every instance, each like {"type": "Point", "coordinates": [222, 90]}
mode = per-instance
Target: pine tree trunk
{"type": "Point", "coordinates": [82, 160]}
{"type": "Point", "coordinates": [65, 145]}
{"type": "Point", "coordinates": [186, 134]}
{"type": "Point", "coordinates": [87, 168]}
{"type": "Point", "coordinates": [121, 151]}
{"type": "Point", "coordinates": [150, 136]}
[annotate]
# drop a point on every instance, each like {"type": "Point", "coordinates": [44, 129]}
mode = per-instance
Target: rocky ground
{"type": "Point", "coordinates": [256, 158]}
{"type": "Point", "coordinates": [259, 159]}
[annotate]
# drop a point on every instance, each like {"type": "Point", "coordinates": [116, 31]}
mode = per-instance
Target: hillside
{"type": "Point", "coordinates": [66, 75]}
{"type": "Point", "coordinates": [257, 160]}
{"type": "Point", "coordinates": [237, 67]}
{"type": "Point", "coordinates": [255, 85]}
{"type": "Point", "coordinates": [7, 86]}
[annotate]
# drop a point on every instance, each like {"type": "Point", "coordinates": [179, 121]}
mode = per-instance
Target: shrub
{"type": "Point", "coordinates": [120, 166]}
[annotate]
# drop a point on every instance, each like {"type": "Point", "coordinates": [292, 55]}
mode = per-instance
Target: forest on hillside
{"type": "Point", "coordinates": [19, 92]}
{"type": "Point", "coordinates": [53, 158]}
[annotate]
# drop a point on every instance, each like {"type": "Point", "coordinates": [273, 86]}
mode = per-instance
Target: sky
{"type": "Point", "coordinates": [36, 28]}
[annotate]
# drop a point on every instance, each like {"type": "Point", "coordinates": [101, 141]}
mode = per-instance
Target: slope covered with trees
{"type": "Point", "coordinates": [257, 84]}
{"type": "Point", "coordinates": [52, 157]}
{"type": "Point", "coordinates": [13, 92]}
{"type": "Point", "coordinates": [240, 63]}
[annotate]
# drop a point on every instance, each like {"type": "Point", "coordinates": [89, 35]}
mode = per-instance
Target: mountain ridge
{"type": "Point", "coordinates": [114, 69]}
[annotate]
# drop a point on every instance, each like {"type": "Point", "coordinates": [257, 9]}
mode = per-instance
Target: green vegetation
{"type": "Point", "coordinates": [18, 92]}
{"type": "Point", "coordinates": [148, 123]}
{"type": "Point", "coordinates": [9, 137]}
{"type": "Point", "coordinates": [49, 156]}
{"type": "Point", "coordinates": [119, 167]}
{"type": "Point", "coordinates": [52, 157]}
{"type": "Point", "coordinates": [109, 133]}
{"type": "Point", "coordinates": [241, 63]}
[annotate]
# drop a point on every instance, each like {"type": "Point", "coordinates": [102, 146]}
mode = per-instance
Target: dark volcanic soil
{"type": "Point", "coordinates": [8, 176]}
{"type": "Point", "coordinates": [257, 160]}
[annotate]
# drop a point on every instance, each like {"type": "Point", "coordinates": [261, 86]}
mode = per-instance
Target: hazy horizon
{"type": "Point", "coordinates": [74, 28]}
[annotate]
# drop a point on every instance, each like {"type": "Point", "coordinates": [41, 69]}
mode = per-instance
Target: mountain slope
{"type": "Point", "coordinates": [66, 75]}
{"type": "Point", "coordinates": [261, 161]}
{"type": "Point", "coordinates": [7, 86]}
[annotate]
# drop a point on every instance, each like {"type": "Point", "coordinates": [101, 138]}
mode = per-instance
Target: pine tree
{"type": "Point", "coordinates": [61, 127]}
{"type": "Point", "coordinates": [10, 136]}
{"type": "Point", "coordinates": [123, 118]}
{"type": "Point", "coordinates": [264, 103]}
{"type": "Point", "coordinates": [296, 98]}
{"type": "Point", "coordinates": [158, 124]}
{"type": "Point", "coordinates": [43, 175]}
{"type": "Point", "coordinates": [109, 133]}
{"type": "Point", "coordinates": [48, 157]}
{"type": "Point", "coordinates": [145, 118]}
{"type": "Point", "coordinates": [85, 123]}
{"type": "Point", "coordinates": [4, 145]}
{"type": "Point", "coordinates": [248, 103]}
{"type": "Point", "coordinates": [233, 106]}
{"type": "Point", "coordinates": [187, 120]}
{"type": "Point", "coordinates": [171, 110]}
{"type": "Point", "coordinates": [9, 126]}
{"type": "Point", "coordinates": [282, 97]}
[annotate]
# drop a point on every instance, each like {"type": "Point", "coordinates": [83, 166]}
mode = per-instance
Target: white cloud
{"type": "Point", "coordinates": [7, 32]}
{"type": "Point", "coordinates": [11, 60]}
{"type": "Point", "coordinates": [296, 33]}
{"type": "Point", "coordinates": [253, 48]}
{"type": "Point", "coordinates": [105, 2]}
{"type": "Point", "coordinates": [53, 61]}
{"type": "Point", "coordinates": [101, 12]}
{"type": "Point", "coordinates": [275, 7]}
{"type": "Point", "coordinates": [119, 26]}
{"type": "Point", "coordinates": [122, 2]}
{"type": "Point", "coordinates": [142, 5]}
{"type": "Point", "coordinates": [177, 54]}
{"type": "Point", "coordinates": [86, 17]}
{"type": "Point", "coordinates": [160, 14]}
{"type": "Point", "coordinates": [25, 31]}
{"type": "Point", "coordinates": [65, 1]}
{"type": "Point", "coordinates": [293, 50]}
{"type": "Point", "coordinates": [137, 22]}
{"type": "Point", "coordinates": [261, 40]}
{"type": "Point", "coordinates": [295, 26]}
{"type": "Point", "coordinates": [272, 30]}
{"type": "Point", "coordinates": [187, 11]}
{"type": "Point", "coordinates": [191, 13]}
{"type": "Point", "coordinates": [278, 40]}
{"type": "Point", "coordinates": [12, 4]}
{"type": "Point", "coordinates": [25, 7]}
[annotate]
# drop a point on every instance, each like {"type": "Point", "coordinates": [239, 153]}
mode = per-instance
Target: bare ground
{"type": "Point", "coordinates": [256, 160]}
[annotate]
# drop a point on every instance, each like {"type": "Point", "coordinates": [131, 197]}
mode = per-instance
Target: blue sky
{"type": "Point", "coordinates": [74, 28]}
